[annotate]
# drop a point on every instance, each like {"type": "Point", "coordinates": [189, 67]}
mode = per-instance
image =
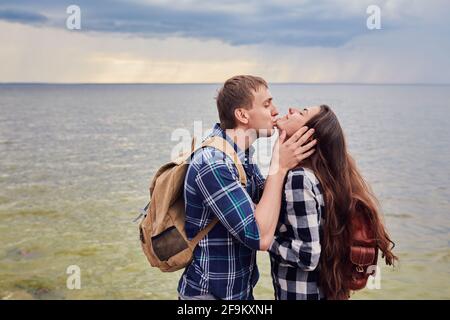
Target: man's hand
{"type": "Point", "coordinates": [287, 154]}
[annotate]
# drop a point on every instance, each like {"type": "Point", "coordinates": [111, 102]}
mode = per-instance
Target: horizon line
{"type": "Point", "coordinates": [218, 83]}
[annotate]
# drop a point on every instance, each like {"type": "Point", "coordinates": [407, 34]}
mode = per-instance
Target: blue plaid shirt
{"type": "Point", "coordinates": [224, 263]}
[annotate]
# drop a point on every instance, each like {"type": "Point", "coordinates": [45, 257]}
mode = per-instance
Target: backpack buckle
{"type": "Point", "coordinates": [142, 213]}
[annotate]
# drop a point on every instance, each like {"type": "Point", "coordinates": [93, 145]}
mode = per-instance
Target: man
{"type": "Point", "coordinates": [224, 264]}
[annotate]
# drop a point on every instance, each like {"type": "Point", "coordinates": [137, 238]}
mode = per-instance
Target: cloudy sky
{"type": "Point", "coordinates": [208, 41]}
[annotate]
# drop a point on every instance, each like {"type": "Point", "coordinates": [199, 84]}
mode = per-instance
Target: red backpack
{"type": "Point", "coordinates": [363, 254]}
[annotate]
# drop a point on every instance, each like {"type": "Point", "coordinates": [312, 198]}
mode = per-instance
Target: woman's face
{"type": "Point", "coordinates": [296, 118]}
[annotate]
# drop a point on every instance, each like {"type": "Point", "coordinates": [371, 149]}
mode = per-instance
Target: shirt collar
{"type": "Point", "coordinates": [242, 154]}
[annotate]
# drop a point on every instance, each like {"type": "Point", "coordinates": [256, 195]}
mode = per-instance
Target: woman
{"type": "Point", "coordinates": [321, 199]}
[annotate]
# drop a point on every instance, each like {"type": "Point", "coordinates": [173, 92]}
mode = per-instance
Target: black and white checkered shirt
{"type": "Point", "coordinates": [295, 250]}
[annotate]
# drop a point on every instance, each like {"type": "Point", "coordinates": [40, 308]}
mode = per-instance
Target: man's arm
{"type": "Point", "coordinates": [232, 205]}
{"type": "Point", "coordinates": [229, 201]}
{"type": "Point", "coordinates": [286, 155]}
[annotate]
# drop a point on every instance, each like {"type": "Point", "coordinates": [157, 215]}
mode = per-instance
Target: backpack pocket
{"type": "Point", "coordinates": [168, 243]}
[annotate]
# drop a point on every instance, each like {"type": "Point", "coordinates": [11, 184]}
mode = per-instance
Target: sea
{"type": "Point", "coordinates": [76, 162]}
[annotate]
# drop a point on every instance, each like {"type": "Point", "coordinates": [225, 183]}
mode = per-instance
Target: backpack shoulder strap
{"type": "Point", "coordinates": [203, 232]}
{"type": "Point", "coordinates": [223, 145]}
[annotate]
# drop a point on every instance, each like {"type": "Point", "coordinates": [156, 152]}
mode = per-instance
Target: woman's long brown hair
{"type": "Point", "coordinates": [346, 195]}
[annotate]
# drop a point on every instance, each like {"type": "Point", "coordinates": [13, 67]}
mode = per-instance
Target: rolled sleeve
{"type": "Point", "coordinates": [225, 196]}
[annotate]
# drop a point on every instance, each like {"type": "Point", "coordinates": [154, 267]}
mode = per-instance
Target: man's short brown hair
{"type": "Point", "coordinates": [237, 92]}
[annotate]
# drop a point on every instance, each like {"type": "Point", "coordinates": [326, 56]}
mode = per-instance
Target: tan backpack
{"type": "Point", "coordinates": [162, 230]}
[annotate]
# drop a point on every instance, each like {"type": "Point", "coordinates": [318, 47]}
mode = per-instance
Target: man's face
{"type": "Point", "coordinates": [262, 115]}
